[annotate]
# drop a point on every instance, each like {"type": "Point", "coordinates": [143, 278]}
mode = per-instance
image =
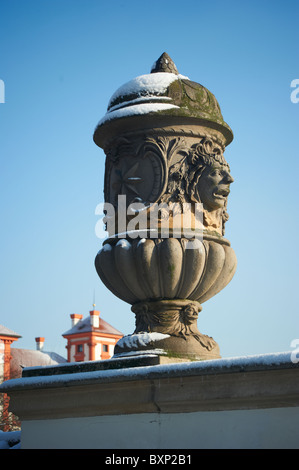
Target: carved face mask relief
{"type": "Point", "coordinates": [214, 186]}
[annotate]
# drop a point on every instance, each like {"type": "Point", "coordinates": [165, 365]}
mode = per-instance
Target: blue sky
{"type": "Point", "coordinates": [61, 60]}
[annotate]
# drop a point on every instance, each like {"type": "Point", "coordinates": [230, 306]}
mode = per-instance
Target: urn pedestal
{"type": "Point", "coordinates": [164, 138]}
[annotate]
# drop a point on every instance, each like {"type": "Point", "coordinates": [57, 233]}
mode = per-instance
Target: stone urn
{"type": "Point", "coordinates": [166, 189]}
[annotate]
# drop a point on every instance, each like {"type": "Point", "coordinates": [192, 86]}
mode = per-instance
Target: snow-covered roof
{"type": "Point", "coordinates": [7, 332]}
{"type": "Point", "coordinates": [21, 358]}
{"type": "Point", "coordinates": [85, 326]}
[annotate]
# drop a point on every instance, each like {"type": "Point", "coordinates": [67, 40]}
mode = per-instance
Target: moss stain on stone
{"type": "Point", "coordinates": [171, 269]}
{"type": "Point", "coordinates": [184, 358]}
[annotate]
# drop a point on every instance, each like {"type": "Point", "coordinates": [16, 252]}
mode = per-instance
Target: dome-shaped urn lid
{"type": "Point", "coordinates": [163, 92]}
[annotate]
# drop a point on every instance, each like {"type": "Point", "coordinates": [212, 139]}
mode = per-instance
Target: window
{"type": "Point", "coordinates": [79, 348]}
{"type": "Point", "coordinates": [105, 348]}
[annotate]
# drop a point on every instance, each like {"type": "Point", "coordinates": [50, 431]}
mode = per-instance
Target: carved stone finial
{"type": "Point", "coordinates": [164, 64]}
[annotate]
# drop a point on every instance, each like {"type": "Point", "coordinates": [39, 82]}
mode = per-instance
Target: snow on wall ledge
{"type": "Point", "coordinates": [141, 339]}
{"type": "Point", "coordinates": [273, 361]}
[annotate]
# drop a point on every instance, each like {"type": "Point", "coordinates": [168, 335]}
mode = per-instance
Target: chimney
{"type": "Point", "coordinates": [75, 318]}
{"type": "Point", "coordinates": [39, 343]}
{"type": "Point", "coordinates": [95, 318]}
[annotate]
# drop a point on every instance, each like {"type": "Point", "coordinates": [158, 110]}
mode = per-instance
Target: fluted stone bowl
{"type": "Point", "coordinates": [138, 270]}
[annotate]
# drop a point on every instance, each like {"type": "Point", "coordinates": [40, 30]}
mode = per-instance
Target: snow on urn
{"type": "Point", "coordinates": [166, 189]}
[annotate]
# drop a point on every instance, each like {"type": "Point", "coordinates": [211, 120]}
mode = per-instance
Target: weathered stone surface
{"type": "Point", "coordinates": [154, 168]}
{"type": "Point", "coordinates": [257, 382]}
{"type": "Point", "coordinates": [164, 64]}
{"type": "Point", "coordinates": [93, 366]}
{"type": "Point", "coordinates": [164, 138]}
{"type": "Point", "coordinates": [142, 269]}
{"type": "Point", "coordinates": [163, 92]}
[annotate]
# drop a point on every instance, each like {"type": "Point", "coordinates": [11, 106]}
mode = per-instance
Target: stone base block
{"type": "Point", "coordinates": [246, 402]}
